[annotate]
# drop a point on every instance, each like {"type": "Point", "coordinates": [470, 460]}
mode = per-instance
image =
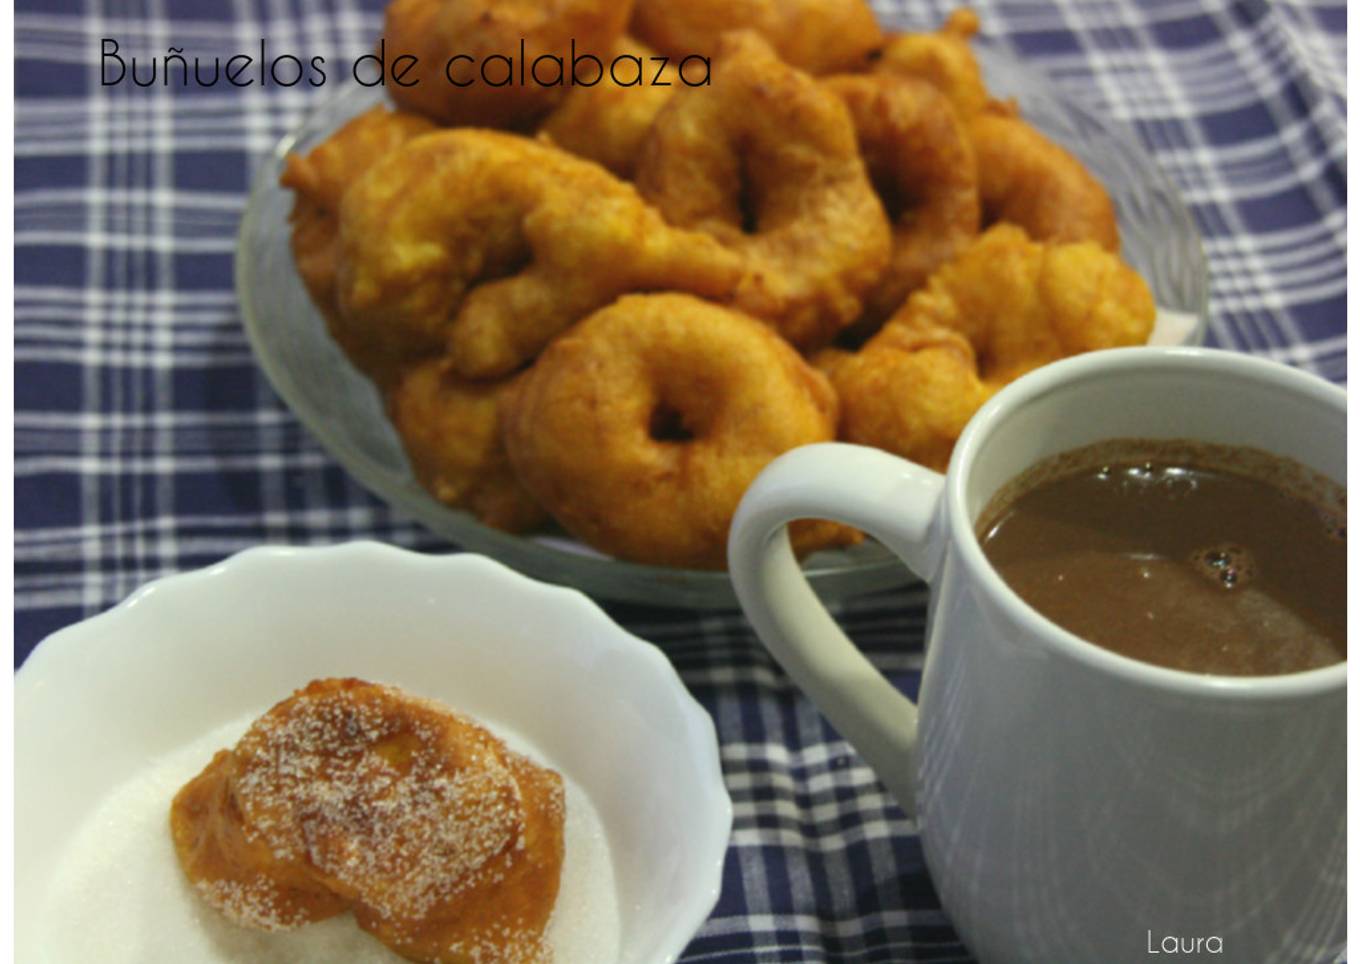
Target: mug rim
{"type": "Point", "coordinates": [1050, 377]}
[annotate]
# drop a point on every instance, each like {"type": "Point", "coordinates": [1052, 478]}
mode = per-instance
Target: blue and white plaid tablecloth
{"type": "Point", "coordinates": [147, 441]}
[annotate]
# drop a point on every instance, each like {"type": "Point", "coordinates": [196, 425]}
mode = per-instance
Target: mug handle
{"type": "Point", "coordinates": [895, 501]}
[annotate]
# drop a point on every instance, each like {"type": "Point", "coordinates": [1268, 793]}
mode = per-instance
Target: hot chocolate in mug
{"type": "Point", "coordinates": [1076, 805]}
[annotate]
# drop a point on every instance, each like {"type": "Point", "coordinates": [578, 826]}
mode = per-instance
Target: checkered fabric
{"type": "Point", "coordinates": [148, 442]}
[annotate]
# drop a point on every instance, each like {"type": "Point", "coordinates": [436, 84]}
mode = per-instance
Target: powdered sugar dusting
{"type": "Point", "coordinates": [248, 905]}
{"type": "Point", "coordinates": [402, 808]}
{"type": "Point", "coordinates": [136, 906]}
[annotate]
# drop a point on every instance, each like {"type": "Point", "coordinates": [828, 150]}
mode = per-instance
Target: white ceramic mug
{"type": "Point", "coordinates": [1075, 805]}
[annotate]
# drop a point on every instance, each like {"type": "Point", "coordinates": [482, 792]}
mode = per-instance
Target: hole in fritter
{"type": "Point", "coordinates": [895, 199]}
{"type": "Point", "coordinates": [504, 260]}
{"type": "Point", "coordinates": [668, 425]}
{"type": "Point", "coordinates": [748, 199]}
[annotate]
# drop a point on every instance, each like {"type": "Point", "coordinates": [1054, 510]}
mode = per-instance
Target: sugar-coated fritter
{"type": "Point", "coordinates": [819, 36]}
{"type": "Point", "coordinates": [1023, 177]}
{"type": "Point", "coordinates": [765, 160]}
{"type": "Point", "coordinates": [349, 795]}
{"type": "Point", "coordinates": [319, 180]}
{"type": "Point", "coordinates": [489, 244]}
{"type": "Point", "coordinates": [450, 428]}
{"type": "Point", "coordinates": [641, 427]}
{"type": "Point", "coordinates": [495, 83]}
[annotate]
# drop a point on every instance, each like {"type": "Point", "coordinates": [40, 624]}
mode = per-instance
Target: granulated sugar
{"type": "Point", "coordinates": [119, 896]}
{"type": "Point", "coordinates": [585, 924]}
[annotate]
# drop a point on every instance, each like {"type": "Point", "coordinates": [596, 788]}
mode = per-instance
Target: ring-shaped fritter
{"type": "Point", "coordinates": [765, 160]}
{"type": "Point", "coordinates": [488, 244]}
{"type": "Point", "coordinates": [921, 163]}
{"type": "Point", "coordinates": [641, 427]}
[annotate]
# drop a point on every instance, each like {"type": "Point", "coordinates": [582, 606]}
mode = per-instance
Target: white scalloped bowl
{"type": "Point", "coordinates": [191, 653]}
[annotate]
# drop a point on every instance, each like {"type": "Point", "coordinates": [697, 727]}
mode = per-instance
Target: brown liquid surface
{"type": "Point", "coordinates": [1198, 557]}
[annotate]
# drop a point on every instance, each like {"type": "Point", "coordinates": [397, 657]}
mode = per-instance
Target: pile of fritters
{"type": "Point", "coordinates": [765, 224]}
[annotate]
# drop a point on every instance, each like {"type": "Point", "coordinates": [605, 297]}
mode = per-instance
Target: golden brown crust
{"type": "Point", "coordinates": [319, 180]}
{"type": "Point", "coordinates": [446, 262]}
{"type": "Point", "coordinates": [450, 429]}
{"type": "Point", "coordinates": [609, 122]}
{"type": "Point", "coordinates": [1028, 180]}
{"type": "Point", "coordinates": [909, 392]}
{"type": "Point", "coordinates": [943, 58]}
{"type": "Point", "coordinates": [1021, 303]}
{"type": "Point", "coordinates": [487, 245]}
{"type": "Point", "coordinates": [434, 31]}
{"type": "Point", "coordinates": [1003, 307]}
{"type": "Point", "coordinates": [921, 163]}
{"type": "Point", "coordinates": [641, 427]}
{"type": "Point", "coordinates": [818, 36]}
{"type": "Point", "coordinates": [350, 795]}
{"type": "Point", "coordinates": [235, 871]}
{"type": "Point", "coordinates": [765, 160]}
{"type": "Point", "coordinates": [1023, 177]}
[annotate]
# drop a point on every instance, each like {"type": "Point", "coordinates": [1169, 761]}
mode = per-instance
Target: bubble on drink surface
{"type": "Point", "coordinates": [1177, 482]}
{"type": "Point", "coordinates": [1143, 478]}
{"type": "Point", "coordinates": [1134, 480]}
{"type": "Point", "coordinates": [1229, 565]}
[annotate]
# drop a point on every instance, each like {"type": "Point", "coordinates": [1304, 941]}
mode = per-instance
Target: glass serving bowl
{"type": "Point", "coordinates": [345, 413]}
